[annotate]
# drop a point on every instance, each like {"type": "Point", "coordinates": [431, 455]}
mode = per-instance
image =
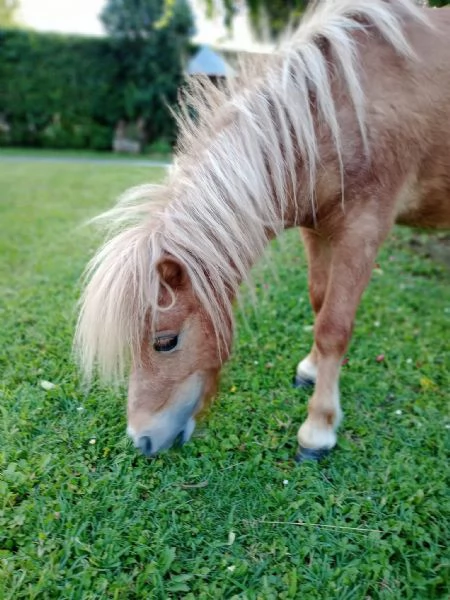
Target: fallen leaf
{"type": "Point", "coordinates": [47, 385]}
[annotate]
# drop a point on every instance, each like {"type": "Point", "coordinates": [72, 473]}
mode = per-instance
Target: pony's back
{"type": "Point", "coordinates": [408, 118]}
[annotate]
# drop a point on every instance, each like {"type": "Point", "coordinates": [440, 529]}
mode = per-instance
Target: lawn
{"type": "Point", "coordinates": [230, 515]}
{"type": "Point", "coordinates": [81, 155]}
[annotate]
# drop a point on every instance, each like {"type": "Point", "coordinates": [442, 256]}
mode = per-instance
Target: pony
{"type": "Point", "coordinates": [343, 131]}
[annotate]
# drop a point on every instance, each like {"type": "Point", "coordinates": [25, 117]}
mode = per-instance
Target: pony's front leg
{"type": "Point", "coordinates": [351, 267]}
{"type": "Point", "coordinates": [318, 251]}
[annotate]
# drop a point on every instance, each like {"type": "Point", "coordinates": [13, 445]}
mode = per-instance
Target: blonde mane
{"type": "Point", "coordinates": [235, 167]}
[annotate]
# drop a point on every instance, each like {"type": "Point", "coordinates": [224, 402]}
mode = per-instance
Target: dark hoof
{"type": "Point", "coordinates": [300, 381]}
{"type": "Point", "coordinates": [311, 454]}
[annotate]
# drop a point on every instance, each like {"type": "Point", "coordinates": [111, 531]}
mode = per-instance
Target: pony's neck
{"type": "Point", "coordinates": [236, 195]}
{"type": "Point", "coordinates": [231, 225]}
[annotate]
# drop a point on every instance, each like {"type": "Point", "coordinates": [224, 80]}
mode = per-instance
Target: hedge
{"type": "Point", "coordinates": [71, 91]}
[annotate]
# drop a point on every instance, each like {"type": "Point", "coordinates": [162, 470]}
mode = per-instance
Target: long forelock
{"type": "Point", "coordinates": [228, 189]}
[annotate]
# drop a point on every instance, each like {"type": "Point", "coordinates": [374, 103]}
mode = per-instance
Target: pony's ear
{"type": "Point", "coordinates": [172, 272]}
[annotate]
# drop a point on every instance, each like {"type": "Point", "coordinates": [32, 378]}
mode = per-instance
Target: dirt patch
{"type": "Point", "coordinates": [434, 246]}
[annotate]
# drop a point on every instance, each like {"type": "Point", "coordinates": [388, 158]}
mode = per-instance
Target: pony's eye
{"type": "Point", "coordinates": [165, 343]}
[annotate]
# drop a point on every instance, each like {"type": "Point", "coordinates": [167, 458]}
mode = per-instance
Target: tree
{"type": "Point", "coordinates": [8, 13]}
{"type": "Point", "coordinates": [273, 16]}
{"type": "Point", "coordinates": [139, 19]}
{"type": "Point", "coordinates": [151, 38]}
{"type": "Point", "coordinates": [268, 17]}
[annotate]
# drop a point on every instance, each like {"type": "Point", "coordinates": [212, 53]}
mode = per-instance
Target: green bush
{"type": "Point", "coordinates": [71, 91]}
{"type": "Point", "coordinates": [54, 88]}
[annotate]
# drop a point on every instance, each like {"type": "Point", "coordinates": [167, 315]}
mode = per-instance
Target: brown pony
{"type": "Point", "coordinates": [343, 131]}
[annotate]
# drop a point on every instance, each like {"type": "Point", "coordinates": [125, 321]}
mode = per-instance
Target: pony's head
{"type": "Point", "coordinates": [177, 369]}
{"type": "Point", "coordinates": [156, 307]}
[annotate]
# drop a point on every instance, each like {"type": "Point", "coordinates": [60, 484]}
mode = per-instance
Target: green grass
{"type": "Point", "coordinates": [214, 520]}
{"type": "Point", "coordinates": [80, 154]}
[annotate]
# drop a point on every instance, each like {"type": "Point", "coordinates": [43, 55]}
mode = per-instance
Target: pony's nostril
{"type": "Point", "coordinates": [179, 440]}
{"type": "Point", "coordinates": [145, 445]}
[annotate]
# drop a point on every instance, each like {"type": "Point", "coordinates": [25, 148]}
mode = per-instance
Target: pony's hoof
{"type": "Point", "coordinates": [301, 381]}
{"type": "Point", "coordinates": [311, 454]}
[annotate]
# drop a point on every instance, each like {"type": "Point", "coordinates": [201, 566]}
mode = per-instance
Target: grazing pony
{"type": "Point", "coordinates": [343, 131]}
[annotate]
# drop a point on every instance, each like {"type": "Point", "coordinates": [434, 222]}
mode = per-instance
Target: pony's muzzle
{"type": "Point", "coordinates": [153, 441]}
{"type": "Point", "coordinates": [173, 425]}
{"type": "Point", "coordinates": [145, 445]}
